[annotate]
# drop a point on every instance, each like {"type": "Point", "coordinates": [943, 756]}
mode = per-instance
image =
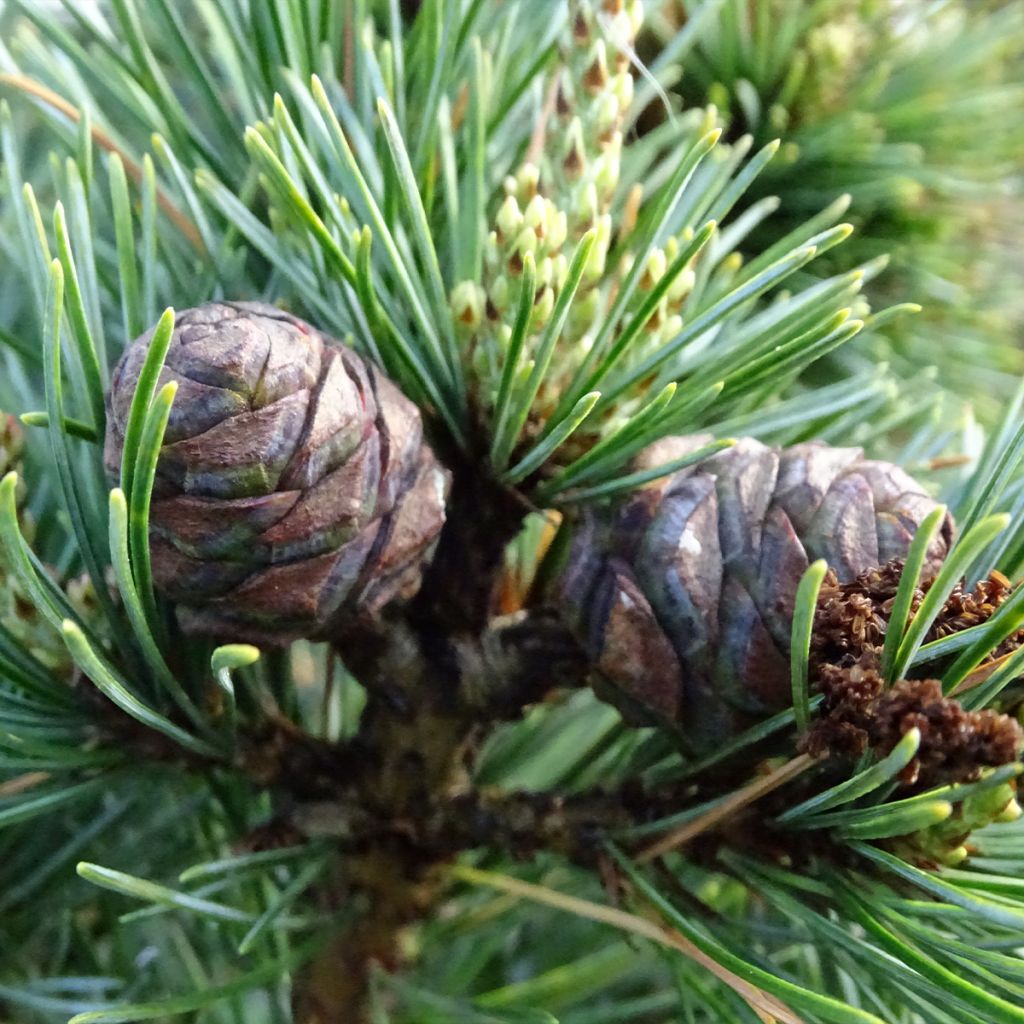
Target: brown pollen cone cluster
{"type": "Point", "coordinates": [859, 712]}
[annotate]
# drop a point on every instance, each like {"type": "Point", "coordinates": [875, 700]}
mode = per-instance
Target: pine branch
{"type": "Point", "coordinates": [472, 198]}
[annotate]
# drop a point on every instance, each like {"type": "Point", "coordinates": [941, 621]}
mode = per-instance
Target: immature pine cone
{"type": "Point", "coordinates": [294, 486]}
{"type": "Point", "coordinates": [683, 595]}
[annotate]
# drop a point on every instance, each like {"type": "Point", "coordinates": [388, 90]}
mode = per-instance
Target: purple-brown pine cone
{"type": "Point", "coordinates": [683, 595]}
{"type": "Point", "coordinates": [294, 486]}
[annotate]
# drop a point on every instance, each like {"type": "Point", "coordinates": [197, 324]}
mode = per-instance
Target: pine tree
{"type": "Point", "coordinates": [449, 572]}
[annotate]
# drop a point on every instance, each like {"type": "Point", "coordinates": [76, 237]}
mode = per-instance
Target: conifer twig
{"type": "Point", "coordinates": [540, 129]}
{"type": "Point", "coordinates": [21, 783]}
{"type": "Point", "coordinates": [737, 801]}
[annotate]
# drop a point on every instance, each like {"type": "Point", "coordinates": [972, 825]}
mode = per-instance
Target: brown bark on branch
{"type": "Point", "coordinates": [433, 672]}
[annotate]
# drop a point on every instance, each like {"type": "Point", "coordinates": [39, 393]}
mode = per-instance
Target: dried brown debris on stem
{"type": "Point", "coordinates": [852, 617]}
{"type": "Point", "coordinates": [860, 712]}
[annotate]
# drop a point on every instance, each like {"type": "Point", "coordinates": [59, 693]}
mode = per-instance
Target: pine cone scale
{"type": "Point", "coordinates": [752, 673]}
{"type": "Point", "coordinates": [240, 457]}
{"type": "Point", "coordinates": [335, 426]}
{"type": "Point", "coordinates": [806, 472]}
{"type": "Point", "coordinates": [182, 577]}
{"type": "Point", "coordinates": [843, 531]}
{"type": "Point", "coordinates": [401, 441]}
{"type": "Point", "coordinates": [747, 477]}
{"type": "Point", "coordinates": [330, 512]}
{"type": "Point", "coordinates": [197, 407]}
{"type": "Point", "coordinates": [226, 357]}
{"type": "Point", "coordinates": [632, 650]}
{"type": "Point", "coordinates": [680, 564]}
{"type": "Point", "coordinates": [281, 599]}
{"type": "Point", "coordinates": [782, 557]}
{"type": "Point", "coordinates": [239, 521]}
{"type": "Point", "coordinates": [393, 568]}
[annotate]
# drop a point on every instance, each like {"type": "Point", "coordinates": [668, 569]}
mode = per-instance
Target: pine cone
{"type": "Point", "coordinates": [683, 595]}
{"type": "Point", "coordinates": [294, 486]}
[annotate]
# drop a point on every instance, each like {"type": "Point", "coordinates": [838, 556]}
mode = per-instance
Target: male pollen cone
{"type": "Point", "coordinates": [294, 486]}
{"type": "Point", "coordinates": [683, 593]}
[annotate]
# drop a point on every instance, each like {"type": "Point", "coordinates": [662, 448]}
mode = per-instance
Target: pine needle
{"type": "Point", "coordinates": [721, 812]}
{"type": "Point", "coordinates": [765, 1006]}
{"type": "Point", "coordinates": [30, 87]}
